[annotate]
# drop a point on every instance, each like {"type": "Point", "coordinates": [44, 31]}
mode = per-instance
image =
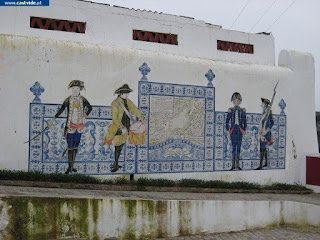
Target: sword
{"type": "Point", "coordinates": [63, 153]}
{"type": "Point", "coordinates": [47, 127]}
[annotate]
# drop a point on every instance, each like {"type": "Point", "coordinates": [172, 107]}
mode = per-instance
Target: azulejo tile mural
{"type": "Point", "coordinates": [184, 133]}
{"type": "Point", "coordinates": [46, 151]}
{"type": "Point", "coordinates": [180, 128]}
{"type": "Point", "coordinates": [249, 154]}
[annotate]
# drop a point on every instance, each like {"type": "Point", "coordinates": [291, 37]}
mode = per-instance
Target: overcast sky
{"type": "Point", "coordinates": [298, 28]}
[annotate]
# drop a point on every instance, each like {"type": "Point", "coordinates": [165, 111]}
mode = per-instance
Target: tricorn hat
{"type": "Point", "coordinates": [123, 89]}
{"type": "Point", "coordinates": [235, 96]}
{"type": "Point", "coordinates": [76, 83]}
{"type": "Point", "coordinates": [265, 100]}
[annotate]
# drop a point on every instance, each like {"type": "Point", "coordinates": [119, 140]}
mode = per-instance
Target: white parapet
{"type": "Point", "coordinates": [51, 218]}
{"type": "Point", "coordinates": [113, 26]}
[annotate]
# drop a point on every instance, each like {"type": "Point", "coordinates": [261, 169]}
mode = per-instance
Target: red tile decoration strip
{"type": "Point", "coordinates": [313, 171]}
{"type": "Point", "coordinates": [155, 37]}
{"type": "Point", "coordinates": [57, 25]}
{"type": "Point", "coordinates": [234, 47]}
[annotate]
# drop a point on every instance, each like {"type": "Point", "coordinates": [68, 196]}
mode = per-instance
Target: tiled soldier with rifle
{"type": "Point", "coordinates": [265, 127]}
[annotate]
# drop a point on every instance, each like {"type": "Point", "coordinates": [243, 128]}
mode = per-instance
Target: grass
{"type": "Point", "coordinates": [217, 184]}
{"type": "Point", "coordinates": [52, 177]}
{"type": "Point", "coordinates": [84, 179]}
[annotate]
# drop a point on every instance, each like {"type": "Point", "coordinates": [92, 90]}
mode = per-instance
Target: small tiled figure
{"type": "Point", "coordinates": [78, 108]}
{"type": "Point", "coordinates": [236, 124]}
{"type": "Point", "coordinates": [265, 126]}
{"type": "Point", "coordinates": [118, 130]}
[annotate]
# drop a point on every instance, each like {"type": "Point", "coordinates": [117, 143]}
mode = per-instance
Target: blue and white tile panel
{"type": "Point", "coordinates": [250, 155]}
{"type": "Point", "coordinates": [93, 158]}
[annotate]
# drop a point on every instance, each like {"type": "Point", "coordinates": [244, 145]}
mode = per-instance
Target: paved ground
{"type": "Point", "coordinates": [285, 233]}
{"type": "Point", "coordinates": [99, 194]}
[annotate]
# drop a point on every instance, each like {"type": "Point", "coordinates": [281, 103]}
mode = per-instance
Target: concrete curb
{"type": "Point", "coordinates": [127, 187]}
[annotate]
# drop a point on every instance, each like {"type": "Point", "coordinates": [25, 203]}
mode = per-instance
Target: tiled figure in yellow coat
{"type": "Point", "coordinates": [118, 130]}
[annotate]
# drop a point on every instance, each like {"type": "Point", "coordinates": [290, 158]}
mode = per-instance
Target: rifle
{"type": "Point", "coordinates": [265, 115]}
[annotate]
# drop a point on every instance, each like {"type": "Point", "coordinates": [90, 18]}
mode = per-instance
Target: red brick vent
{"type": "Point", "coordinates": [234, 47]}
{"type": "Point", "coordinates": [57, 25]}
{"type": "Point", "coordinates": [155, 37]}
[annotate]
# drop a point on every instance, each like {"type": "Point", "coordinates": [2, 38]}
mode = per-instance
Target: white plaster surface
{"type": "Point", "coordinates": [4, 219]}
{"type": "Point", "coordinates": [25, 60]}
{"type": "Point", "coordinates": [106, 57]}
{"type": "Point", "coordinates": [148, 219]}
{"type": "Point", "coordinates": [112, 26]}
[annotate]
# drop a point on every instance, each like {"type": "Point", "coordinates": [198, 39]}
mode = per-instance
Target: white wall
{"type": "Point", "coordinates": [112, 26]}
{"type": "Point", "coordinates": [54, 63]}
{"type": "Point", "coordinates": [105, 57]}
{"type": "Point", "coordinates": [146, 219]}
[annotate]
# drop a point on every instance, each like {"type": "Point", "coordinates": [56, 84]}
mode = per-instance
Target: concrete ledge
{"type": "Point", "coordinates": [125, 187]}
{"type": "Point", "coordinates": [24, 217]}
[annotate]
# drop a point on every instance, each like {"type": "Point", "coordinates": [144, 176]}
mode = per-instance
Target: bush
{"type": "Point", "coordinates": [121, 181]}
{"type": "Point", "coordinates": [217, 184]}
{"type": "Point", "coordinates": [47, 177]}
{"type": "Point", "coordinates": [84, 179]}
{"type": "Point", "coordinates": [155, 182]}
{"type": "Point", "coordinates": [284, 186]}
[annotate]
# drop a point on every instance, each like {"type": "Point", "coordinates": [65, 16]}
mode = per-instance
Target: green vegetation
{"type": "Point", "coordinates": [280, 186]}
{"type": "Point", "coordinates": [51, 177]}
{"type": "Point", "coordinates": [218, 184]}
{"type": "Point", "coordinates": [160, 182]}
{"type": "Point", "coordinates": [141, 182]}
{"type": "Point", "coordinates": [44, 218]}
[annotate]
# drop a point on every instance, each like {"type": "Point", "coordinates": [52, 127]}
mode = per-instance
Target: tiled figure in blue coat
{"type": "Point", "coordinates": [265, 126]}
{"type": "Point", "coordinates": [236, 124]}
